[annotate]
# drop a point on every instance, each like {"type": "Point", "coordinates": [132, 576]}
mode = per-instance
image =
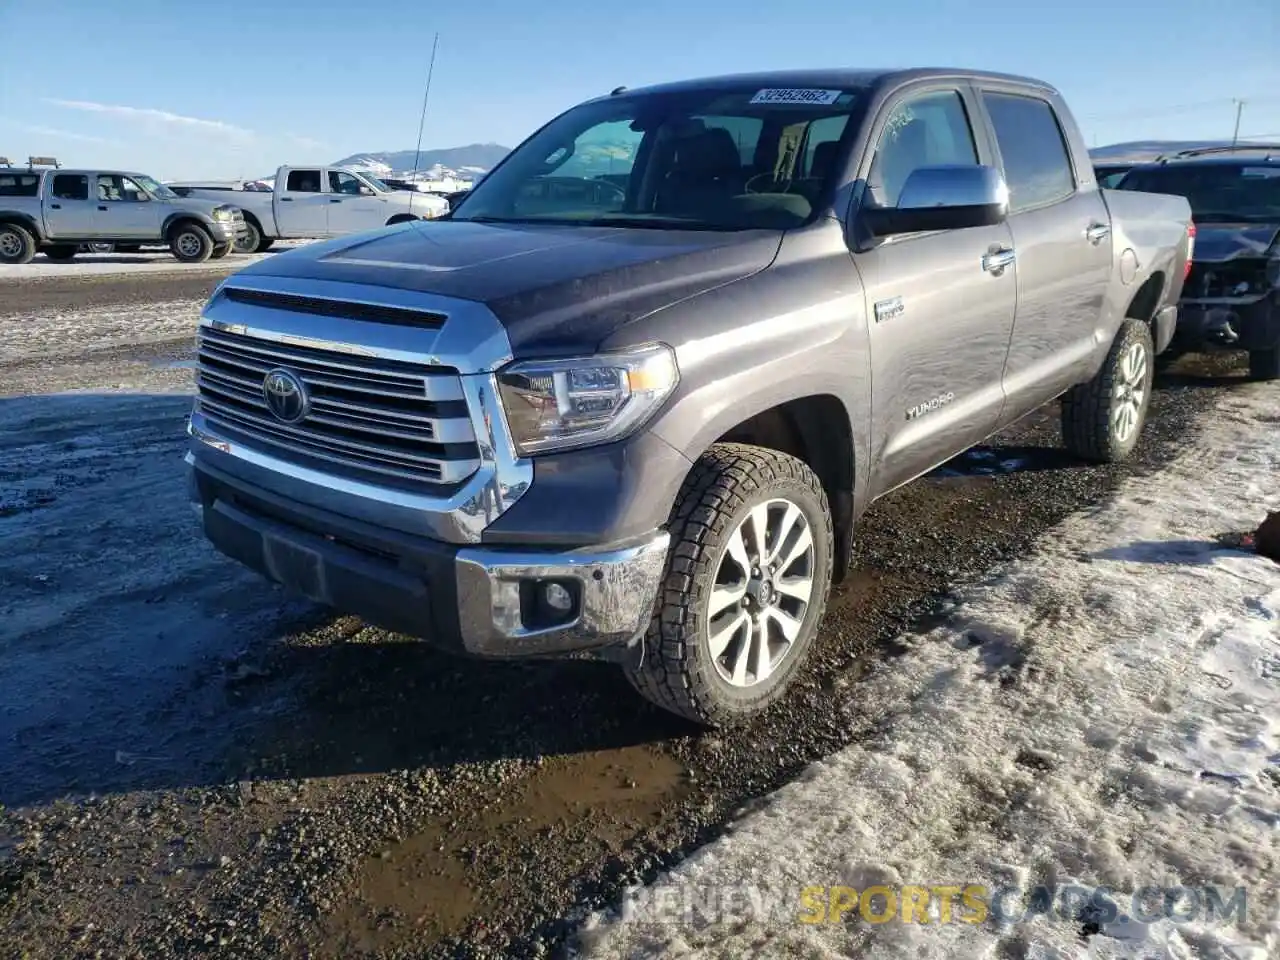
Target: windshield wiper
{"type": "Point", "coordinates": [656, 223]}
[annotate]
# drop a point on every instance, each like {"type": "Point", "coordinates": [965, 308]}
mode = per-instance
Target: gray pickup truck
{"type": "Point", "coordinates": [629, 399]}
{"type": "Point", "coordinates": [55, 211]}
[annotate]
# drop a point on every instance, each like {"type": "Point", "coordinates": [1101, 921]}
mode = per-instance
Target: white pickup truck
{"type": "Point", "coordinates": [311, 202]}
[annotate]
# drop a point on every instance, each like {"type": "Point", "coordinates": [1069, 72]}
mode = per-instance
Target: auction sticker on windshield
{"type": "Point", "coordinates": [816, 97]}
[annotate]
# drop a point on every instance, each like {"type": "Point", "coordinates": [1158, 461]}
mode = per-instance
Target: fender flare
{"type": "Point", "coordinates": [24, 220]}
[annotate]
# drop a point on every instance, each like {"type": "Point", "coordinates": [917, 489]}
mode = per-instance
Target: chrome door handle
{"type": "Point", "coordinates": [997, 260]}
{"type": "Point", "coordinates": [1095, 233]}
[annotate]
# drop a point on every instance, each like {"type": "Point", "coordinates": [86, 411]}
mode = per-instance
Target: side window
{"type": "Point", "coordinates": [340, 182]}
{"type": "Point", "coordinates": [303, 181]}
{"type": "Point", "coordinates": [606, 151]}
{"type": "Point", "coordinates": [18, 185]}
{"type": "Point", "coordinates": [113, 187]}
{"type": "Point", "coordinates": [70, 186]}
{"type": "Point", "coordinates": [1037, 165]}
{"type": "Point", "coordinates": [925, 131]}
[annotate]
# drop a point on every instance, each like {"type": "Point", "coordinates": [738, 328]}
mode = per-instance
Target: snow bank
{"type": "Point", "coordinates": [102, 264]}
{"type": "Point", "coordinates": [1105, 713]}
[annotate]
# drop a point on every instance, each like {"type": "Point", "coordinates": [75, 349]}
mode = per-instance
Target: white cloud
{"type": "Point", "coordinates": [64, 134]}
{"type": "Point", "coordinates": [148, 114]}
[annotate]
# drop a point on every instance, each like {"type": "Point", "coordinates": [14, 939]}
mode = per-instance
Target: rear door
{"type": "Point", "coordinates": [124, 209]}
{"type": "Point", "coordinates": [1062, 240]}
{"type": "Point", "coordinates": [350, 209]}
{"type": "Point", "coordinates": [302, 206]}
{"type": "Point", "coordinates": [68, 211]}
{"type": "Point", "coordinates": [940, 319]}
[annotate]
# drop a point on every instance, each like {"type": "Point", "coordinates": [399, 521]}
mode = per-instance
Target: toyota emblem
{"type": "Point", "coordinates": [286, 396]}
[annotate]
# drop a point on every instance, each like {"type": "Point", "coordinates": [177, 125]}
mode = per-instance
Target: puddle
{"type": "Point", "coordinates": [983, 461]}
{"type": "Point", "coordinates": [436, 882]}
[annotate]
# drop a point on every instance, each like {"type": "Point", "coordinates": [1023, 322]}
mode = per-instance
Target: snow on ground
{"type": "Point", "coordinates": [1105, 713]}
{"type": "Point", "coordinates": [32, 334]}
{"type": "Point", "coordinates": [160, 261]}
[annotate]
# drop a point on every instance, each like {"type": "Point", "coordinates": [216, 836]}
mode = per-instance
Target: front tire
{"type": "Point", "coordinates": [745, 587]}
{"type": "Point", "coordinates": [1264, 364]}
{"type": "Point", "coordinates": [248, 241]}
{"type": "Point", "coordinates": [1102, 419]}
{"type": "Point", "coordinates": [17, 245]}
{"type": "Point", "coordinates": [190, 243]}
{"type": "Point", "coordinates": [220, 250]}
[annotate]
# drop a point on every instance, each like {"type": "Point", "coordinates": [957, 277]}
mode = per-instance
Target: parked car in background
{"type": "Point", "coordinates": [640, 418]}
{"type": "Point", "coordinates": [1231, 299]}
{"type": "Point", "coordinates": [312, 202]}
{"type": "Point", "coordinates": [1109, 174]}
{"type": "Point", "coordinates": [53, 211]}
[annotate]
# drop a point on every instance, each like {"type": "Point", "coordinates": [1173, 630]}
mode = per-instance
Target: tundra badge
{"type": "Point", "coordinates": [929, 406]}
{"type": "Point", "coordinates": [889, 309]}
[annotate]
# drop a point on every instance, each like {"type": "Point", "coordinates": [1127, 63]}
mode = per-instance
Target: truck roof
{"type": "Point", "coordinates": [836, 77]}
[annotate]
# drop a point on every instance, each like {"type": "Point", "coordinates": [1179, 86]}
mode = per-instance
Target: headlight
{"type": "Point", "coordinates": [223, 213]}
{"type": "Point", "coordinates": [560, 404]}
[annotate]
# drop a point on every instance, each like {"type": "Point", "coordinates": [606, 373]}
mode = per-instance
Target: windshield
{"type": "Point", "coordinates": [156, 189]}
{"type": "Point", "coordinates": [1217, 192]}
{"type": "Point", "coordinates": [376, 182]}
{"type": "Point", "coordinates": [722, 159]}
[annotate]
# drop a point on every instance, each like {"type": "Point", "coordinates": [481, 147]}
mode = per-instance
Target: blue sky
{"type": "Point", "coordinates": [231, 88]}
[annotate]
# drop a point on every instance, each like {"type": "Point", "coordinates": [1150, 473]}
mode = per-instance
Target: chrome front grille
{"type": "Point", "coordinates": [376, 419]}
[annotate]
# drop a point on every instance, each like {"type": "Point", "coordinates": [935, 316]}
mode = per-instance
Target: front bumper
{"type": "Point", "coordinates": [226, 231]}
{"type": "Point", "coordinates": [1233, 325]}
{"type": "Point", "coordinates": [484, 601]}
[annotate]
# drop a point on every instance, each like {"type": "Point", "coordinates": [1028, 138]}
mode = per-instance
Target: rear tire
{"type": "Point", "coordinates": [17, 245]}
{"type": "Point", "coordinates": [1264, 364]}
{"type": "Point", "coordinates": [61, 252]}
{"type": "Point", "coordinates": [732, 488]}
{"type": "Point", "coordinates": [1102, 419]}
{"type": "Point", "coordinates": [101, 247]}
{"type": "Point", "coordinates": [189, 243]}
{"type": "Point", "coordinates": [265, 244]}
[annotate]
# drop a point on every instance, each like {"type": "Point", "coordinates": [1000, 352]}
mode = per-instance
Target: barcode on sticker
{"type": "Point", "coordinates": [815, 97]}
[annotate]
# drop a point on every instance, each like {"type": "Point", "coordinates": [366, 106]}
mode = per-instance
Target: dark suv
{"type": "Point", "coordinates": [1232, 296]}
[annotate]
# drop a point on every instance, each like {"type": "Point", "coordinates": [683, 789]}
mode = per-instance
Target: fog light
{"type": "Point", "coordinates": [557, 597]}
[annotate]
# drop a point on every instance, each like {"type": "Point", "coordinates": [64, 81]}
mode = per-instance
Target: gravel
{"type": "Point", "coordinates": [273, 779]}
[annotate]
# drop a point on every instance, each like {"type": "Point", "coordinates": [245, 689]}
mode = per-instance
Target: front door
{"type": "Point", "coordinates": [940, 310]}
{"type": "Point", "coordinates": [302, 206]}
{"type": "Point", "coordinates": [124, 209]}
{"type": "Point", "coordinates": [1062, 236]}
{"type": "Point", "coordinates": [68, 211]}
{"type": "Point", "coordinates": [351, 211]}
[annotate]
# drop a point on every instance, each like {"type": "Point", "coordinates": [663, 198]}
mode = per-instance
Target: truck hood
{"type": "Point", "coordinates": [552, 287]}
{"type": "Point", "coordinates": [198, 205]}
{"type": "Point", "coordinates": [1216, 242]}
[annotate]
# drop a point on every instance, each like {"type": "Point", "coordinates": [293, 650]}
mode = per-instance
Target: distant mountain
{"type": "Point", "coordinates": [484, 156]}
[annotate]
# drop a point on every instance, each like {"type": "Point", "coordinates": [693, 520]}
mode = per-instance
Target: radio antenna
{"type": "Point", "coordinates": [422, 120]}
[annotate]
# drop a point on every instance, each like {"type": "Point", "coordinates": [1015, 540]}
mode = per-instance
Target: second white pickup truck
{"type": "Point", "coordinates": [311, 202]}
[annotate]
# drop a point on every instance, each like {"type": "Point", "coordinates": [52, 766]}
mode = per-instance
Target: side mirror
{"type": "Point", "coordinates": [950, 197]}
{"type": "Point", "coordinates": [366, 191]}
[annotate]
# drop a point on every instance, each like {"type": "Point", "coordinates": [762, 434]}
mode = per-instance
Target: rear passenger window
{"type": "Point", "coordinates": [18, 185]}
{"type": "Point", "coordinates": [1037, 165]}
{"type": "Point", "coordinates": [303, 181]}
{"type": "Point", "coordinates": [70, 186]}
{"type": "Point", "coordinates": [926, 131]}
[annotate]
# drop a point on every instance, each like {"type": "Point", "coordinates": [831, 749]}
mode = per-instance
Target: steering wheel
{"type": "Point", "coordinates": [775, 185]}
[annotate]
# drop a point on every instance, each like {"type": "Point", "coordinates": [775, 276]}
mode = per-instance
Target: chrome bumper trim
{"type": "Point", "coordinates": [617, 589]}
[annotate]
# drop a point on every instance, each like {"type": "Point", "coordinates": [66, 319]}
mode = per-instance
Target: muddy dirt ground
{"type": "Point", "coordinates": [193, 763]}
